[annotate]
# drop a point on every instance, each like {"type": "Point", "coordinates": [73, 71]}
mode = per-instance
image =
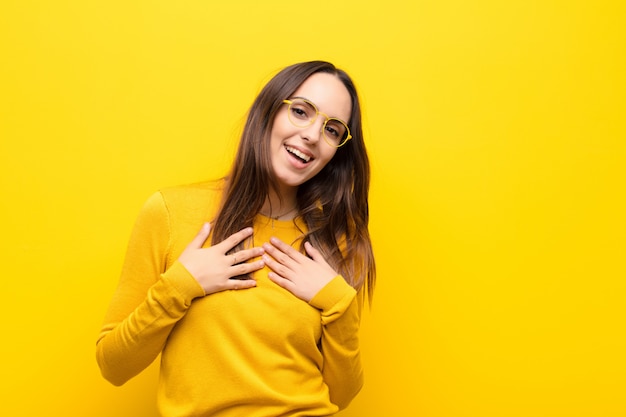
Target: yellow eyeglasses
{"type": "Point", "coordinates": [302, 113]}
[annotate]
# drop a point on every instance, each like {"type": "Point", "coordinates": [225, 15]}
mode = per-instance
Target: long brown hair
{"type": "Point", "coordinates": [333, 204]}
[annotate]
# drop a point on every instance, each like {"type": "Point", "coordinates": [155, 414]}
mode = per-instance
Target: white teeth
{"type": "Point", "coordinates": [299, 154]}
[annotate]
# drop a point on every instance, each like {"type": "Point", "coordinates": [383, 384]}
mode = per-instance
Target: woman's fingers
{"type": "Point", "coordinates": [246, 268]}
{"type": "Point", "coordinates": [314, 253]}
{"type": "Point", "coordinates": [213, 267]}
{"type": "Point", "coordinates": [283, 282]}
{"type": "Point", "coordinates": [275, 265]}
{"type": "Point", "coordinates": [302, 276]}
{"type": "Point", "coordinates": [239, 284]}
{"type": "Point", "coordinates": [283, 253]}
{"type": "Point", "coordinates": [285, 248]}
{"type": "Point", "coordinates": [234, 239]}
{"type": "Point", "coordinates": [198, 241]}
{"type": "Point", "coordinates": [244, 255]}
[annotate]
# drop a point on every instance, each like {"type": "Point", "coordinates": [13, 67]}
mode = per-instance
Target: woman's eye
{"type": "Point", "coordinates": [334, 133]}
{"type": "Point", "coordinates": [299, 112]}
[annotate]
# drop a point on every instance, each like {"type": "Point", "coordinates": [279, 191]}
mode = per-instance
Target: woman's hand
{"type": "Point", "coordinates": [302, 276]}
{"type": "Point", "coordinates": [212, 268]}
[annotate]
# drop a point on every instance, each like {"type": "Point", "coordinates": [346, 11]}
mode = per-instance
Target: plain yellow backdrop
{"type": "Point", "coordinates": [498, 144]}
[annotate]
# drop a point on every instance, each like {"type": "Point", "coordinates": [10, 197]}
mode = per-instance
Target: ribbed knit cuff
{"type": "Point", "coordinates": [183, 282]}
{"type": "Point", "coordinates": [335, 297]}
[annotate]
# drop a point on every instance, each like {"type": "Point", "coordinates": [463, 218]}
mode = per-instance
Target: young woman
{"type": "Point", "coordinates": [257, 314]}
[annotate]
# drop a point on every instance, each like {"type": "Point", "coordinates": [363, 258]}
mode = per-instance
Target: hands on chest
{"type": "Point", "coordinates": [212, 267]}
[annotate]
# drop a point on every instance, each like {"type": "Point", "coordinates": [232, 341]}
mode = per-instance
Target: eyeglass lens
{"type": "Point", "coordinates": [303, 113]}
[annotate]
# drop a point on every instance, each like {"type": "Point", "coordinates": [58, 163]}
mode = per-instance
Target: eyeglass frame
{"type": "Point", "coordinates": [317, 113]}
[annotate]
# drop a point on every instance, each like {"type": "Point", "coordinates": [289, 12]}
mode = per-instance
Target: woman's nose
{"type": "Point", "coordinates": [314, 131]}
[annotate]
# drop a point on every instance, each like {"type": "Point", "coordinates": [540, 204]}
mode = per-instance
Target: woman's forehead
{"type": "Point", "coordinates": [328, 93]}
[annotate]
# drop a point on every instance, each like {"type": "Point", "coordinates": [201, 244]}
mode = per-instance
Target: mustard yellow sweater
{"type": "Point", "coordinates": [255, 352]}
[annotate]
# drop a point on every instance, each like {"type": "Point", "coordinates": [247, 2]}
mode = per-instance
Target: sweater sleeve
{"type": "Point", "coordinates": [341, 315]}
{"type": "Point", "coordinates": [149, 299]}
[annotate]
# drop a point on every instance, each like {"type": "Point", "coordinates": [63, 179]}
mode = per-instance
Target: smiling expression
{"type": "Point", "coordinates": [298, 154]}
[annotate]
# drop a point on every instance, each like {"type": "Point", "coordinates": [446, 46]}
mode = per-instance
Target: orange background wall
{"type": "Point", "coordinates": [498, 144]}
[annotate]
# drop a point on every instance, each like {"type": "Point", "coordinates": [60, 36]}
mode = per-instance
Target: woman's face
{"type": "Point", "coordinates": [298, 154]}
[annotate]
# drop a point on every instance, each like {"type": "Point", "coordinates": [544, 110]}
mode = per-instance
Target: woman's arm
{"type": "Point", "coordinates": [314, 281]}
{"type": "Point", "coordinates": [341, 317]}
{"type": "Point", "coordinates": [149, 300]}
{"type": "Point", "coordinates": [155, 291]}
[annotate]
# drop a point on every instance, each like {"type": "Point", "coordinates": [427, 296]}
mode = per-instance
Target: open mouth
{"type": "Point", "coordinates": [304, 158]}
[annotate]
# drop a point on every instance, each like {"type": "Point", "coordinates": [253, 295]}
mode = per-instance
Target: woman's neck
{"type": "Point", "coordinates": [283, 207]}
